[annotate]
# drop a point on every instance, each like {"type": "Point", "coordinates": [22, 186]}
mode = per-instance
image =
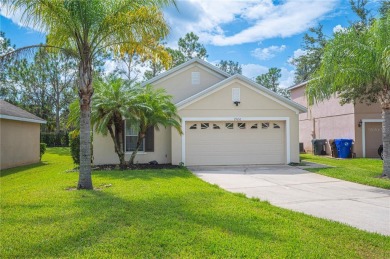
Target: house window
{"type": "Point", "coordinates": [276, 126]}
{"type": "Point", "coordinates": [229, 125]}
{"type": "Point", "coordinates": [132, 130]}
{"type": "Point", "coordinates": [193, 126]}
{"type": "Point", "coordinates": [204, 125]}
{"type": "Point", "coordinates": [254, 126]}
{"type": "Point", "coordinates": [195, 78]}
{"type": "Point", "coordinates": [241, 125]}
{"type": "Point", "coordinates": [215, 126]}
{"type": "Point", "coordinates": [265, 125]}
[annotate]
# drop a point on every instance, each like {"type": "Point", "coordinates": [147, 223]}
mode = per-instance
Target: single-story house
{"type": "Point", "coordinates": [330, 120]}
{"type": "Point", "coordinates": [226, 120]}
{"type": "Point", "coordinates": [20, 136]}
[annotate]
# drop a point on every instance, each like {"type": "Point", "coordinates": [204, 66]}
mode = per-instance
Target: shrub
{"type": "Point", "coordinates": [74, 143]}
{"type": "Point", "coordinates": [42, 149]}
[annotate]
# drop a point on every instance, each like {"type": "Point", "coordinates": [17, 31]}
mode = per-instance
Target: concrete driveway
{"type": "Point", "coordinates": [361, 206]}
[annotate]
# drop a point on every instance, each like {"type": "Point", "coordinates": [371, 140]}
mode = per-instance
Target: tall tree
{"type": "Point", "coordinates": [230, 67]}
{"type": "Point", "coordinates": [158, 110]}
{"type": "Point", "coordinates": [356, 67]}
{"type": "Point", "coordinates": [7, 91]}
{"type": "Point", "coordinates": [83, 28]}
{"type": "Point", "coordinates": [313, 44]}
{"type": "Point", "coordinates": [191, 48]}
{"type": "Point", "coordinates": [270, 80]}
{"type": "Point", "coordinates": [177, 57]}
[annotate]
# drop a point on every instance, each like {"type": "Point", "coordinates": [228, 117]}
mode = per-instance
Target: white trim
{"type": "Point", "coordinates": [205, 65]}
{"type": "Point", "coordinates": [189, 119]}
{"type": "Point", "coordinates": [364, 133]}
{"type": "Point", "coordinates": [247, 83]}
{"type": "Point", "coordinates": [8, 117]}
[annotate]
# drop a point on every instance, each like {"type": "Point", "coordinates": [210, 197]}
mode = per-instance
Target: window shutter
{"type": "Point", "coordinates": [149, 140]}
{"type": "Point", "coordinates": [124, 135]}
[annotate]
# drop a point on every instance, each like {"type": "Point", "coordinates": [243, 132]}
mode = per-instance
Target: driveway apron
{"type": "Point", "coordinates": [361, 206]}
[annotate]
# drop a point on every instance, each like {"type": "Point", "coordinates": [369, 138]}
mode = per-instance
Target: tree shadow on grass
{"type": "Point", "coordinates": [168, 222]}
{"type": "Point", "coordinates": [110, 225]}
{"type": "Point", "coordinates": [20, 169]}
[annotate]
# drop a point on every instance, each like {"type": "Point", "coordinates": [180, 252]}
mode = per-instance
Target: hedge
{"type": "Point", "coordinates": [52, 139]}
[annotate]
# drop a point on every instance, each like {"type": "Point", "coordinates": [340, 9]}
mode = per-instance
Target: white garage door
{"type": "Point", "coordinates": [235, 143]}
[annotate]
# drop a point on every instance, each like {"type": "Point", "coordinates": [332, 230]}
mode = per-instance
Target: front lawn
{"type": "Point", "coordinates": [157, 213]}
{"type": "Point", "coordinates": [360, 170]}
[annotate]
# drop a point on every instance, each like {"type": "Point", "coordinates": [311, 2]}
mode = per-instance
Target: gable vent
{"type": "Point", "coordinates": [236, 94]}
{"type": "Point", "coordinates": [195, 78]}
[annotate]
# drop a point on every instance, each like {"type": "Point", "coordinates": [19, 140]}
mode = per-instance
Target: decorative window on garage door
{"type": "Point", "coordinates": [276, 126]}
{"type": "Point", "coordinates": [215, 126]}
{"type": "Point", "coordinates": [254, 126]}
{"type": "Point", "coordinates": [241, 125]}
{"type": "Point", "coordinates": [229, 125]}
{"type": "Point", "coordinates": [265, 125]}
{"type": "Point", "coordinates": [194, 126]}
{"type": "Point", "coordinates": [204, 125]}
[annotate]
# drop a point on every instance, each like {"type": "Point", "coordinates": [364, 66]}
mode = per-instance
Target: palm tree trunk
{"type": "Point", "coordinates": [85, 94]}
{"type": "Point", "coordinates": [386, 141]}
{"type": "Point", "coordinates": [117, 137]}
{"type": "Point", "coordinates": [141, 136]}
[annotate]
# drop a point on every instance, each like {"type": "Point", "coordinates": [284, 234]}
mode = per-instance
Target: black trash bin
{"type": "Point", "coordinates": [333, 148]}
{"type": "Point", "coordinates": [319, 146]}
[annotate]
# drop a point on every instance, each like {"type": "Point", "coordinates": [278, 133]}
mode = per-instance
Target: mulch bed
{"type": "Point", "coordinates": [109, 167]}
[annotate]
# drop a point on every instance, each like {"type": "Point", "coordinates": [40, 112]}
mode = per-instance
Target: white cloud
{"type": "Point", "coordinates": [253, 70]}
{"type": "Point", "coordinates": [267, 53]}
{"type": "Point", "coordinates": [287, 78]}
{"type": "Point", "coordinates": [338, 28]}
{"type": "Point", "coordinates": [261, 19]}
{"type": "Point", "coordinates": [297, 54]}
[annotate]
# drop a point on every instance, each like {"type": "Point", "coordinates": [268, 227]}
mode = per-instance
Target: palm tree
{"type": "Point", "coordinates": [356, 67]}
{"type": "Point", "coordinates": [114, 100]}
{"type": "Point", "coordinates": [84, 29]}
{"type": "Point", "coordinates": [158, 110]}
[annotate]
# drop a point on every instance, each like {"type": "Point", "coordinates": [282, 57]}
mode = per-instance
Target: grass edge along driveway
{"type": "Point", "coordinates": [359, 170]}
{"type": "Point", "coordinates": [158, 213]}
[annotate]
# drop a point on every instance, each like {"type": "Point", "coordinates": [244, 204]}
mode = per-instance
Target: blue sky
{"type": "Point", "coordinates": [258, 34]}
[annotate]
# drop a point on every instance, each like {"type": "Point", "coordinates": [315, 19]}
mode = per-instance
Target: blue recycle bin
{"type": "Point", "coordinates": [344, 147]}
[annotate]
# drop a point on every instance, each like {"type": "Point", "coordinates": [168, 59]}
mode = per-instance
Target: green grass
{"type": "Point", "coordinates": [157, 213]}
{"type": "Point", "coordinates": [360, 170]}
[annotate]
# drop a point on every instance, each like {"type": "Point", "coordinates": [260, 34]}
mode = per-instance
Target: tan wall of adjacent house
{"type": "Point", "coordinates": [180, 86]}
{"type": "Point", "coordinates": [104, 153]}
{"type": "Point", "coordinates": [219, 104]}
{"type": "Point", "coordinates": [364, 111]}
{"type": "Point", "coordinates": [19, 143]}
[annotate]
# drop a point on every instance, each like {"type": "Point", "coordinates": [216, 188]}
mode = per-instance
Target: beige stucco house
{"type": "Point", "coordinates": [330, 120]}
{"type": "Point", "coordinates": [19, 136]}
{"type": "Point", "coordinates": [226, 120]}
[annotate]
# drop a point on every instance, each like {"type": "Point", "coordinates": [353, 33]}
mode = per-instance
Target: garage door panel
{"type": "Point", "coordinates": [235, 146]}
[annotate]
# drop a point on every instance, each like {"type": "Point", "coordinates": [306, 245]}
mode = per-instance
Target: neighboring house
{"type": "Point", "coordinates": [330, 120]}
{"type": "Point", "coordinates": [20, 136]}
{"type": "Point", "coordinates": [226, 120]}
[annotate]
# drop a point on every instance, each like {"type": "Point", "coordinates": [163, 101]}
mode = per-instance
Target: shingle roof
{"type": "Point", "coordinates": [12, 112]}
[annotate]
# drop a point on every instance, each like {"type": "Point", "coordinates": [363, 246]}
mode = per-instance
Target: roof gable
{"type": "Point", "coordinates": [249, 83]}
{"type": "Point", "coordinates": [12, 112]}
{"type": "Point", "coordinates": [183, 66]}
